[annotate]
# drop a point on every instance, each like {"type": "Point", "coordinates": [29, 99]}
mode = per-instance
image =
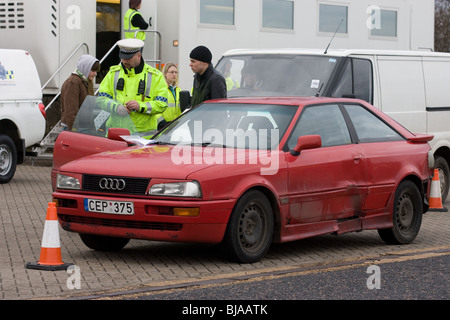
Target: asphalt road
{"type": "Point", "coordinates": [412, 276]}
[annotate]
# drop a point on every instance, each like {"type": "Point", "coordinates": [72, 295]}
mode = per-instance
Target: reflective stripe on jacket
{"type": "Point", "coordinates": [129, 29]}
{"type": "Point", "coordinates": [173, 110]}
{"type": "Point", "coordinates": [152, 103]}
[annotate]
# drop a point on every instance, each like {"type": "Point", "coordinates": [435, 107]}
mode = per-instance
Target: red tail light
{"type": "Point", "coordinates": [42, 108]}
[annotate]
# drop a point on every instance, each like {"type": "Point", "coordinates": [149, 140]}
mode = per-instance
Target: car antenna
{"type": "Point", "coordinates": [326, 50]}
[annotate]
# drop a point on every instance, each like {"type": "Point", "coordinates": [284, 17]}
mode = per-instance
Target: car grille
{"type": "Point", "coordinates": [162, 226]}
{"type": "Point", "coordinates": [136, 186]}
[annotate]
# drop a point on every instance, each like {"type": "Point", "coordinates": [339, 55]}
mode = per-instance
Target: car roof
{"type": "Point", "coordinates": [286, 100]}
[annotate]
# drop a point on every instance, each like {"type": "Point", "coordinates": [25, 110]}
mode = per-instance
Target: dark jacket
{"type": "Point", "coordinates": [209, 85]}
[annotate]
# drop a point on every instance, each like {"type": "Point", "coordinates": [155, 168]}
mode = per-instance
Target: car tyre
{"type": "Point", "coordinates": [250, 228]}
{"type": "Point", "coordinates": [407, 215]}
{"type": "Point", "coordinates": [444, 175]}
{"type": "Point", "coordinates": [103, 243]}
{"type": "Point", "coordinates": [8, 159]}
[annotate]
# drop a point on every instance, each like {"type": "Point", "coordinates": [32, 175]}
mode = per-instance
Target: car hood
{"type": "Point", "coordinates": [155, 161]}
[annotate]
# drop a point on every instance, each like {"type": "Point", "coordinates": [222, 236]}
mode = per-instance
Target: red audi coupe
{"type": "Point", "coordinates": [242, 172]}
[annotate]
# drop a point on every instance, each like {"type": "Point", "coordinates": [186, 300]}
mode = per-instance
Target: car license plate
{"type": "Point", "coordinates": [112, 207]}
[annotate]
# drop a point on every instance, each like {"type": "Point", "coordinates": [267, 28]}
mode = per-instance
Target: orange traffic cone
{"type": "Point", "coordinates": [435, 200]}
{"type": "Point", "coordinates": [50, 258]}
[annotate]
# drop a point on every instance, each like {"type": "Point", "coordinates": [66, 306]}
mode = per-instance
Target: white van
{"type": "Point", "coordinates": [22, 114]}
{"type": "Point", "coordinates": [413, 87]}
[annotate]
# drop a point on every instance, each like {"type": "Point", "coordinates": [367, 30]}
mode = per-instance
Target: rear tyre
{"type": "Point", "coordinates": [8, 159]}
{"type": "Point", "coordinates": [103, 243]}
{"type": "Point", "coordinates": [444, 175]}
{"type": "Point", "coordinates": [250, 229]}
{"type": "Point", "coordinates": [407, 215]}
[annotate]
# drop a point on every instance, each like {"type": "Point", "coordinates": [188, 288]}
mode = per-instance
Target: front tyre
{"type": "Point", "coordinates": [8, 159]}
{"type": "Point", "coordinates": [103, 243]}
{"type": "Point", "coordinates": [250, 229]}
{"type": "Point", "coordinates": [407, 215]}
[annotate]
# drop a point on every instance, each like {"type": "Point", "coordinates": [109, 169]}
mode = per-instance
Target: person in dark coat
{"type": "Point", "coordinates": [208, 82]}
{"type": "Point", "coordinates": [76, 88]}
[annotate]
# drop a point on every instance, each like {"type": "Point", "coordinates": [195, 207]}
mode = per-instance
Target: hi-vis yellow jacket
{"type": "Point", "coordinates": [152, 100]}
{"type": "Point", "coordinates": [173, 110]}
{"type": "Point", "coordinates": [129, 29]}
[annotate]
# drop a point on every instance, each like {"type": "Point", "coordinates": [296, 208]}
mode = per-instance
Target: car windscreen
{"type": "Point", "coordinates": [276, 74]}
{"type": "Point", "coordinates": [98, 114]}
{"type": "Point", "coordinates": [230, 125]}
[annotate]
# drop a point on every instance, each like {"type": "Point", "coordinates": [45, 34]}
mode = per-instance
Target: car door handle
{"type": "Point", "coordinates": [66, 143]}
{"type": "Point", "coordinates": [357, 158]}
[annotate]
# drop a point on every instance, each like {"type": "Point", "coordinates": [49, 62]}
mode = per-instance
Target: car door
{"type": "Point", "coordinates": [92, 131]}
{"type": "Point", "coordinates": [384, 149]}
{"type": "Point", "coordinates": [325, 183]}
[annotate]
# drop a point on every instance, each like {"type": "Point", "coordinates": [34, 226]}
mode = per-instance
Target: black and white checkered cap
{"type": "Point", "coordinates": [129, 47]}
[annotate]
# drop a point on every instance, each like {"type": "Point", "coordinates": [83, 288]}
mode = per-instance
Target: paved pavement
{"type": "Point", "coordinates": [147, 264]}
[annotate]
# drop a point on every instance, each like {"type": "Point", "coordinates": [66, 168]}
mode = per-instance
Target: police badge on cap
{"type": "Point", "coordinates": [129, 47]}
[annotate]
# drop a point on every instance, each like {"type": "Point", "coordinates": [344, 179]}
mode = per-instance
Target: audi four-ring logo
{"type": "Point", "coordinates": [112, 184]}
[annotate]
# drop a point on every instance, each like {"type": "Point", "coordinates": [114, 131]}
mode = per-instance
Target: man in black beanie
{"type": "Point", "coordinates": [208, 82]}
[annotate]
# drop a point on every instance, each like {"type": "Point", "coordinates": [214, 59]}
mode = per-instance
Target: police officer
{"type": "Point", "coordinates": [139, 87]}
{"type": "Point", "coordinates": [133, 21]}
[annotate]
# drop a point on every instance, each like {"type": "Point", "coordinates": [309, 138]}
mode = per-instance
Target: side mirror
{"type": "Point", "coordinates": [185, 100]}
{"type": "Point", "coordinates": [115, 133]}
{"type": "Point", "coordinates": [305, 143]}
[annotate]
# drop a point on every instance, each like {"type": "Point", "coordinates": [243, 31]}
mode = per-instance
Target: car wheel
{"type": "Point", "coordinates": [444, 175]}
{"type": "Point", "coordinates": [407, 215]}
{"type": "Point", "coordinates": [8, 159]}
{"type": "Point", "coordinates": [103, 243]}
{"type": "Point", "coordinates": [250, 228]}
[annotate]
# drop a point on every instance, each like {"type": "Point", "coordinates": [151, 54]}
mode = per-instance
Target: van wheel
{"type": "Point", "coordinates": [103, 243]}
{"type": "Point", "coordinates": [250, 228]}
{"type": "Point", "coordinates": [8, 159]}
{"type": "Point", "coordinates": [407, 215]}
{"type": "Point", "coordinates": [444, 176]}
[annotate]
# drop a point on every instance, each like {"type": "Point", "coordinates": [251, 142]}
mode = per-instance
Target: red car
{"type": "Point", "coordinates": [243, 172]}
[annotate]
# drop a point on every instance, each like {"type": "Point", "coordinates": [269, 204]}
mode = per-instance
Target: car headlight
{"type": "Point", "coordinates": [67, 182]}
{"type": "Point", "coordinates": [189, 189]}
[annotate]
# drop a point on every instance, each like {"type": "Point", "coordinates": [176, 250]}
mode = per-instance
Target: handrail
{"type": "Point", "coordinates": [59, 69]}
{"type": "Point", "coordinates": [159, 45]}
{"type": "Point", "coordinates": [65, 62]}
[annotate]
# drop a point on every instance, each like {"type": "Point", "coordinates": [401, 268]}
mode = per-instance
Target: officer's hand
{"type": "Point", "coordinates": [133, 105]}
{"type": "Point", "coordinates": [122, 111]}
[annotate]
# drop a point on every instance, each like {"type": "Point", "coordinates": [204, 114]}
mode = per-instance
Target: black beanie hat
{"type": "Point", "coordinates": [201, 53]}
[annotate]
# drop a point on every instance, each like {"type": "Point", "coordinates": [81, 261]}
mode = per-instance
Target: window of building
{"type": "Point", "coordinates": [333, 16]}
{"type": "Point", "coordinates": [278, 14]}
{"type": "Point", "coordinates": [384, 23]}
{"type": "Point", "coordinates": [217, 12]}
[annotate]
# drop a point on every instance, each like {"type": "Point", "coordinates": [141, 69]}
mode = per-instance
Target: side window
{"type": "Point", "coordinates": [369, 127]}
{"type": "Point", "coordinates": [356, 80]}
{"type": "Point", "coordinates": [326, 121]}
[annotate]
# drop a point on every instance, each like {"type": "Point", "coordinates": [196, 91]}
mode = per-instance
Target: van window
{"type": "Point", "coordinates": [277, 74]}
{"type": "Point", "coordinates": [356, 80]}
